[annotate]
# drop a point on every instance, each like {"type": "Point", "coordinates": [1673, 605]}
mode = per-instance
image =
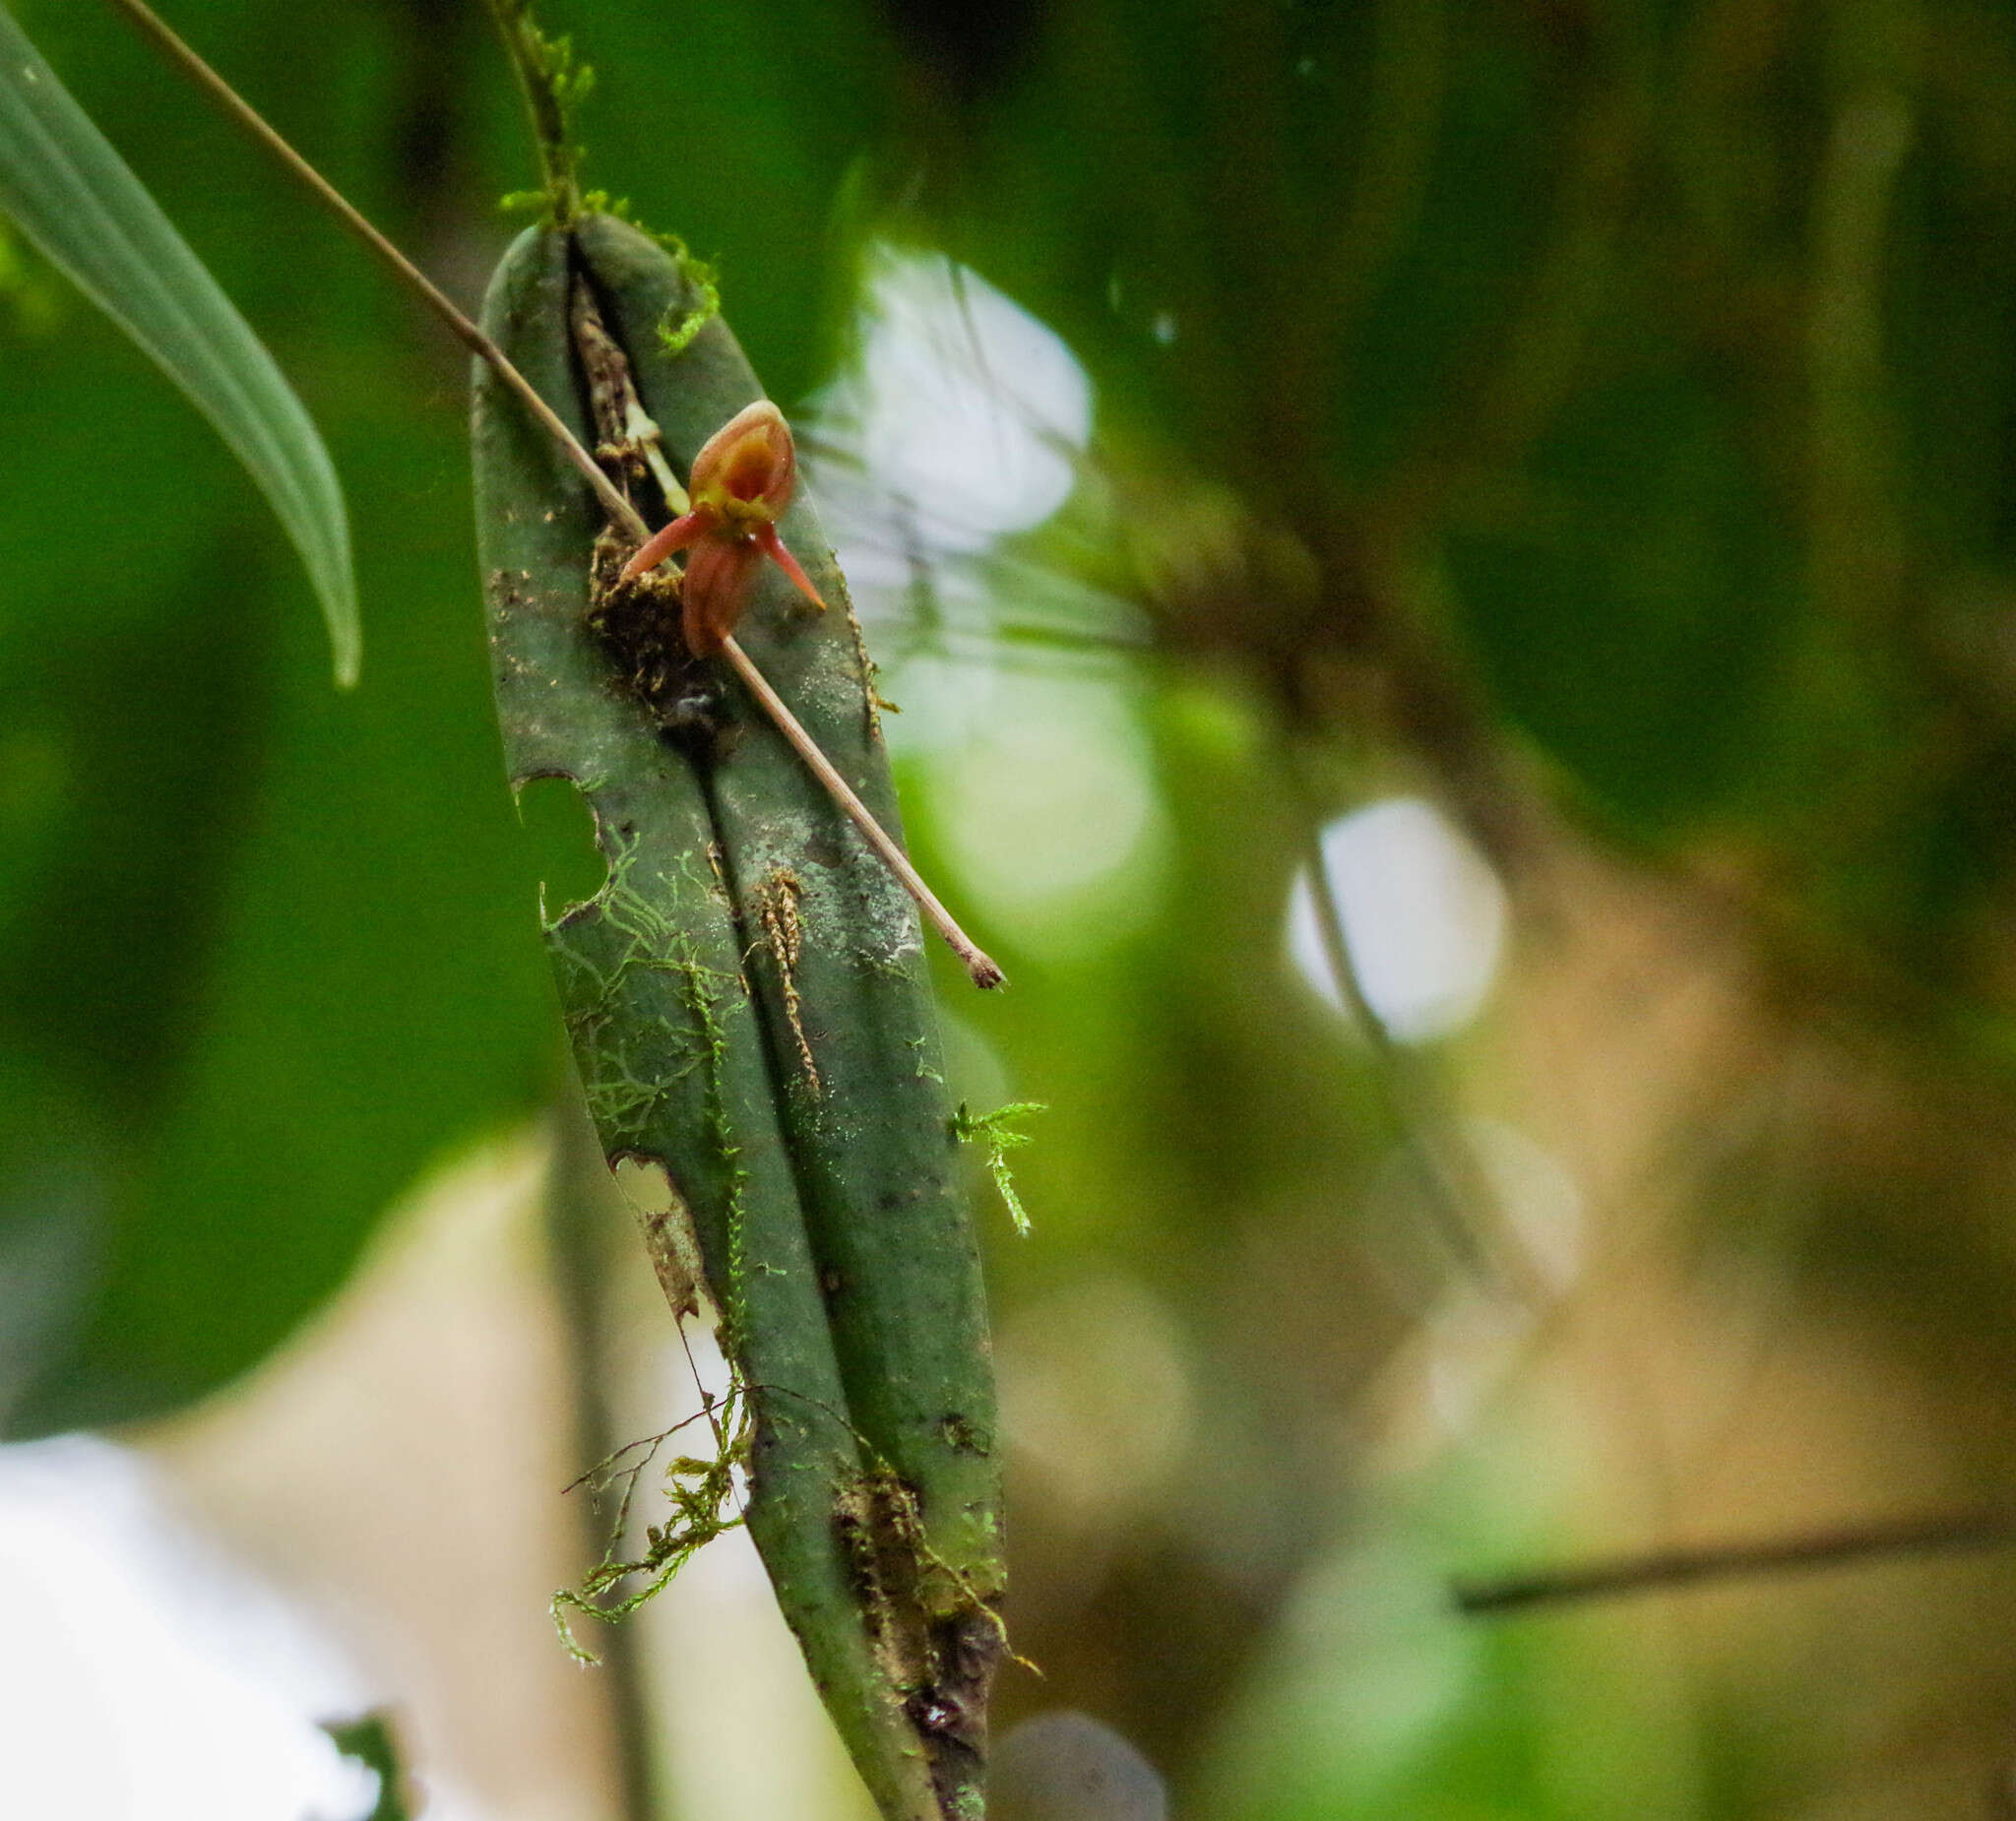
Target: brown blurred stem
{"type": "Point", "coordinates": [1457, 1194]}
{"type": "Point", "coordinates": [1677, 1568]}
{"type": "Point", "coordinates": [579, 1223]}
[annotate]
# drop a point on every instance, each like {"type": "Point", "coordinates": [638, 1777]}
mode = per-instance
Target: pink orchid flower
{"type": "Point", "coordinates": [743, 479]}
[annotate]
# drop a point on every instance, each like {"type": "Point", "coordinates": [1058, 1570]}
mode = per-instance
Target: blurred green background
{"type": "Point", "coordinates": [1566, 450]}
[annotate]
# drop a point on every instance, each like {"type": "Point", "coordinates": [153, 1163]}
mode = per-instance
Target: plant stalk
{"type": "Point", "coordinates": [622, 514]}
{"type": "Point", "coordinates": [544, 100]}
{"type": "Point", "coordinates": [1454, 1190]}
{"type": "Point", "coordinates": [1674, 1568]}
{"type": "Point", "coordinates": [579, 1221]}
{"type": "Point", "coordinates": [331, 197]}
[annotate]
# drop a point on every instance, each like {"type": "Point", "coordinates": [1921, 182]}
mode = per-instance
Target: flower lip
{"type": "Point", "coordinates": [750, 469]}
{"type": "Point", "coordinates": [749, 461]}
{"type": "Point", "coordinates": [718, 577]}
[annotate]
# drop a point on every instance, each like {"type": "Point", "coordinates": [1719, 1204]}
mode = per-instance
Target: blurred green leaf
{"type": "Point", "coordinates": [284, 973]}
{"type": "Point", "coordinates": [1629, 620]}
{"type": "Point", "coordinates": [372, 1741]}
{"type": "Point", "coordinates": [272, 950]}
{"type": "Point", "coordinates": [73, 194]}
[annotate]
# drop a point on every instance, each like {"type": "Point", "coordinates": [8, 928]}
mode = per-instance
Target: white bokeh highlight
{"type": "Point", "coordinates": [1423, 917]}
{"type": "Point", "coordinates": [144, 1676]}
{"type": "Point", "coordinates": [1051, 818]}
{"type": "Point", "coordinates": [967, 415]}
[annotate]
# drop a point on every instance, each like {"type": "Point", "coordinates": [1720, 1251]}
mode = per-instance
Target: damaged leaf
{"type": "Point", "coordinates": [748, 1003]}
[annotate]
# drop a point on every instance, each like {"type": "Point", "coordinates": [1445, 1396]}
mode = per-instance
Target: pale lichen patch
{"type": "Point", "coordinates": [778, 897]}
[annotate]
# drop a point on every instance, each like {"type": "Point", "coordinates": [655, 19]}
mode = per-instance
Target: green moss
{"type": "Point", "coordinates": [702, 1493]}
{"type": "Point", "coordinates": [705, 988]}
{"type": "Point", "coordinates": [997, 1132]}
{"type": "Point", "coordinates": [626, 1090]}
{"type": "Point", "coordinates": [554, 87]}
{"type": "Point", "coordinates": [632, 1063]}
{"type": "Point", "coordinates": [675, 335]}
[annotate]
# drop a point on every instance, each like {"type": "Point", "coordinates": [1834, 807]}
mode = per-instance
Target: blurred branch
{"type": "Point", "coordinates": [1458, 1195]}
{"type": "Point", "coordinates": [1859, 540]}
{"type": "Point", "coordinates": [578, 1211]}
{"type": "Point", "coordinates": [1672, 1568]}
{"type": "Point", "coordinates": [1407, 83]}
{"type": "Point", "coordinates": [1573, 280]}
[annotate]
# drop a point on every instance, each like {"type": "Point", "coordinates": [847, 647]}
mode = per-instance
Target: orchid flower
{"type": "Point", "coordinates": [743, 479]}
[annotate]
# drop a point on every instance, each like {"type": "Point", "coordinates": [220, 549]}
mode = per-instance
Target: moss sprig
{"type": "Point", "coordinates": [997, 1132]}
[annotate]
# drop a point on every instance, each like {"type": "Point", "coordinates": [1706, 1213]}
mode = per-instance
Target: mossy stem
{"type": "Point", "coordinates": [544, 103]}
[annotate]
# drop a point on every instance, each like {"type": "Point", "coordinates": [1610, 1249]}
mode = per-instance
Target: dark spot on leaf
{"type": "Point", "coordinates": [958, 1432]}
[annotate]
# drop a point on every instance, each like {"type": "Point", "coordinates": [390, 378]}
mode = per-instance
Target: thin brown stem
{"type": "Point", "coordinates": [402, 268]}
{"type": "Point", "coordinates": [985, 971]}
{"type": "Point", "coordinates": [622, 514]}
{"type": "Point", "coordinates": [1672, 1568]}
{"type": "Point", "coordinates": [1451, 1209]}
{"type": "Point", "coordinates": [1455, 1190]}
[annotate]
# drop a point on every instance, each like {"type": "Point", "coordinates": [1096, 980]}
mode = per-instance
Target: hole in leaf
{"type": "Point", "coordinates": [560, 836]}
{"type": "Point", "coordinates": [645, 1184]}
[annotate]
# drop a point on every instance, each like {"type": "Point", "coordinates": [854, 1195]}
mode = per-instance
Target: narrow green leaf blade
{"type": "Point", "coordinates": [73, 194]}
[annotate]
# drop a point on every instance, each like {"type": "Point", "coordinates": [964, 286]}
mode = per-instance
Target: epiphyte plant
{"type": "Point", "coordinates": [747, 992]}
{"type": "Point", "coordinates": [748, 1003]}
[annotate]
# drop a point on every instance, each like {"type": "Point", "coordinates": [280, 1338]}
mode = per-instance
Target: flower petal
{"type": "Point", "coordinates": [677, 536]}
{"type": "Point", "coordinates": [719, 575]}
{"type": "Point", "coordinates": [774, 547]}
{"type": "Point", "coordinates": [750, 458]}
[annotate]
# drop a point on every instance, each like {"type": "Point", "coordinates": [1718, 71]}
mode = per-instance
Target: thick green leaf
{"type": "Point", "coordinates": [750, 1008]}
{"type": "Point", "coordinates": [670, 1050]}
{"type": "Point", "coordinates": [848, 997]}
{"type": "Point", "coordinates": [73, 194]}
